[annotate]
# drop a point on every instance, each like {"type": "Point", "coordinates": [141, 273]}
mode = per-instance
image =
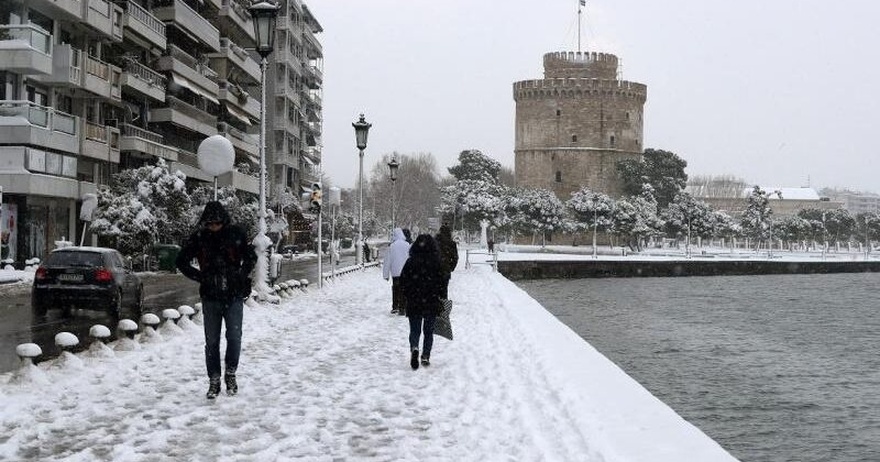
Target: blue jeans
{"type": "Point", "coordinates": [415, 330]}
{"type": "Point", "coordinates": [215, 313]}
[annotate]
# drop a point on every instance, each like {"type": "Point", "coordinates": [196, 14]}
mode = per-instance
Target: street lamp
{"type": "Point", "coordinates": [392, 167]}
{"type": "Point", "coordinates": [361, 130]}
{"type": "Point", "coordinates": [263, 14]}
{"type": "Point", "coordinates": [595, 221]}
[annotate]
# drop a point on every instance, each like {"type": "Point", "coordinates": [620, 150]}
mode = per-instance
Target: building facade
{"type": "Point", "coordinates": [576, 123]}
{"type": "Point", "coordinates": [91, 87]}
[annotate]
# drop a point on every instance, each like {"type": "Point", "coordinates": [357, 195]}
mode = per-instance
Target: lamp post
{"type": "Point", "coordinates": [361, 130]}
{"type": "Point", "coordinates": [392, 167]}
{"type": "Point", "coordinates": [263, 14]}
{"type": "Point", "coordinates": [595, 222]}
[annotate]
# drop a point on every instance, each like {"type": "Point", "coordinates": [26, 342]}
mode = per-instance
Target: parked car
{"type": "Point", "coordinates": [290, 249]}
{"type": "Point", "coordinates": [90, 278]}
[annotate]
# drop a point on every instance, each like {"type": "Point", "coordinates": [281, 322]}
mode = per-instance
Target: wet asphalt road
{"type": "Point", "coordinates": [161, 290]}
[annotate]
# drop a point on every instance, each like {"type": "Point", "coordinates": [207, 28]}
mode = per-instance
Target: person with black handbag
{"type": "Point", "coordinates": [448, 256]}
{"type": "Point", "coordinates": [422, 284]}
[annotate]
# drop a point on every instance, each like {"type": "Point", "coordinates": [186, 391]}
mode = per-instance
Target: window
{"type": "Point", "coordinates": [558, 176]}
{"type": "Point", "coordinates": [558, 112]}
{"type": "Point", "coordinates": [612, 140]}
{"type": "Point", "coordinates": [574, 138]}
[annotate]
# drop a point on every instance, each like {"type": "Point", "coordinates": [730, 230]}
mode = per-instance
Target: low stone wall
{"type": "Point", "coordinates": [547, 269]}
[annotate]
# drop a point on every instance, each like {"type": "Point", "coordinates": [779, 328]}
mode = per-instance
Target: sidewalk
{"type": "Point", "coordinates": [326, 377]}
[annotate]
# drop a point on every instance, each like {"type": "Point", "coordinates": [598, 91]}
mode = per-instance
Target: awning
{"type": "Point", "coordinates": [191, 86]}
{"type": "Point", "coordinates": [238, 114]}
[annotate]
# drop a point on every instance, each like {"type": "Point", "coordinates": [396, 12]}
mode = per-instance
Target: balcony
{"type": "Point", "coordinates": [189, 73]}
{"type": "Point", "coordinates": [144, 81]}
{"type": "Point", "coordinates": [35, 172]}
{"type": "Point", "coordinates": [25, 123]}
{"type": "Point", "coordinates": [100, 142]}
{"type": "Point", "coordinates": [67, 67]}
{"type": "Point", "coordinates": [146, 29]}
{"type": "Point", "coordinates": [235, 59]}
{"type": "Point", "coordinates": [246, 143]}
{"type": "Point", "coordinates": [188, 164]}
{"type": "Point", "coordinates": [185, 116]}
{"type": "Point", "coordinates": [103, 17]}
{"type": "Point", "coordinates": [313, 46]}
{"type": "Point", "coordinates": [144, 142]}
{"type": "Point", "coordinates": [60, 10]}
{"type": "Point", "coordinates": [239, 181]}
{"type": "Point", "coordinates": [186, 19]}
{"type": "Point", "coordinates": [242, 101]}
{"type": "Point", "coordinates": [25, 49]}
{"type": "Point", "coordinates": [235, 22]}
{"type": "Point", "coordinates": [103, 79]}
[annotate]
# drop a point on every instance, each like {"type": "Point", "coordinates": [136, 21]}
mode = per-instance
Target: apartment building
{"type": "Point", "coordinates": [90, 87]}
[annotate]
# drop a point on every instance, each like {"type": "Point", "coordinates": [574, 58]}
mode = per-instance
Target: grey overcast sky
{"type": "Point", "coordinates": [776, 92]}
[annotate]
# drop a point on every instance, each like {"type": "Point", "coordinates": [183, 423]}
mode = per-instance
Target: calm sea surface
{"type": "Point", "coordinates": [774, 368]}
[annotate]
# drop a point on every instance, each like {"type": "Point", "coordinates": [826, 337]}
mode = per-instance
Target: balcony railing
{"type": "Point", "coordinates": [97, 68]}
{"type": "Point", "coordinates": [177, 53]}
{"type": "Point", "coordinates": [131, 130]}
{"type": "Point", "coordinates": [145, 17]}
{"type": "Point", "coordinates": [145, 73]}
{"type": "Point", "coordinates": [40, 116]}
{"type": "Point", "coordinates": [31, 35]}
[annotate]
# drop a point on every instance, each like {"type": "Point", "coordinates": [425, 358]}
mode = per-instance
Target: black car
{"type": "Point", "coordinates": [89, 278]}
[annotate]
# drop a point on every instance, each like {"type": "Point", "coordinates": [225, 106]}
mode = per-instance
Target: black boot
{"type": "Point", "coordinates": [414, 359]}
{"type": "Point", "coordinates": [213, 387]}
{"type": "Point", "coordinates": [231, 385]}
{"type": "Point", "coordinates": [426, 360]}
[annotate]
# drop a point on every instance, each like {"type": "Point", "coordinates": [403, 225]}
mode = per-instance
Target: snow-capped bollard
{"type": "Point", "coordinates": [277, 289]}
{"type": "Point", "coordinates": [198, 318]}
{"type": "Point", "coordinates": [304, 284]}
{"type": "Point", "coordinates": [126, 342]}
{"type": "Point", "coordinates": [150, 334]}
{"type": "Point", "coordinates": [66, 342]}
{"type": "Point", "coordinates": [186, 313]}
{"type": "Point", "coordinates": [170, 327]}
{"type": "Point", "coordinates": [27, 371]}
{"type": "Point", "coordinates": [99, 349]}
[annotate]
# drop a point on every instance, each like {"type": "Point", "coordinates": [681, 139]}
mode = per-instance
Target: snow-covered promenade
{"type": "Point", "coordinates": [325, 376]}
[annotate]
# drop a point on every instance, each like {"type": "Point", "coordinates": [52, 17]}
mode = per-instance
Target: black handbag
{"type": "Point", "coordinates": [442, 325]}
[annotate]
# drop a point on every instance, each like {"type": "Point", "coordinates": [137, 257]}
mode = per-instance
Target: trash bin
{"type": "Point", "coordinates": [166, 255]}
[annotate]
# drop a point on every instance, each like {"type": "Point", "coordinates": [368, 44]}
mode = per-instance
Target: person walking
{"type": "Point", "coordinates": [398, 252]}
{"type": "Point", "coordinates": [448, 257]}
{"type": "Point", "coordinates": [225, 260]}
{"type": "Point", "coordinates": [422, 283]}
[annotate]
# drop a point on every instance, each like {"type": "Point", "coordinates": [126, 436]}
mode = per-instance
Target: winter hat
{"type": "Point", "coordinates": [215, 212]}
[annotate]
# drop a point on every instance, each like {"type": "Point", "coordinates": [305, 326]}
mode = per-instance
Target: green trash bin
{"type": "Point", "coordinates": [166, 255]}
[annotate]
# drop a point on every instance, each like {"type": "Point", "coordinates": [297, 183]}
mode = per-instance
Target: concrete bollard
{"type": "Point", "coordinates": [27, 371]}
{"type": "Point", "coordinates": [150, 334]}
{"type": "Point", "coordinates": [198, 318]}
{"type": "Point", "coordinates": [66, 342]}
{"type": "Point", "coordinates": [304, 284]}
{"type": "Point", "coordinates": [99, 349]}
{"type": "Point", "coordinates": [126, 341]}
{"type": "Point", "coordinates": [170, 327]}
{"type": "Point", "coordinates": [186, 313]}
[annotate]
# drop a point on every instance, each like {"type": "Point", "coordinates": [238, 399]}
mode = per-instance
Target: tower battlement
{"type": "Point", "coordinates": [575, 87]}
{"type": "Point", "coordinates": [587, 64]}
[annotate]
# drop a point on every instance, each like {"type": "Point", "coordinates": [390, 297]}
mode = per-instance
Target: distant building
{"type": "Point", "coordinates": [783, 201]}
{"type": "Point", "coordinates": [576, 123]}
{"type": "Point", "coordinates": [855, 202]}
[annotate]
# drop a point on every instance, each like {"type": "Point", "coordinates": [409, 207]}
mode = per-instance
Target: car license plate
{"type": "Point", "coordinates": [70, 277]}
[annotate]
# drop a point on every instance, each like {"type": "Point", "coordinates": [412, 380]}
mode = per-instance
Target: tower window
{"type": "Point", "coordinates": [574, 138]}
{"type": "Point", "coordinates": [558, 112]}
{"type": "Point", "coordinates": [627, 116]}
{"type": "Point", "coordinates": [558, 176]}
{"type": "Point", "coordinates": [612, 140]}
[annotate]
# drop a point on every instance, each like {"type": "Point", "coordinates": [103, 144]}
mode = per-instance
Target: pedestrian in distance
{"type": "Point", "coordinates": [422, 284]}
{"type": "Point", "coordinates": [366, 248]}
{"type": "Point", "coordinates": [398, 252]}
{"type": "Point", "coordinates": [448, 257]}
{"type": "Point", "coordinates": [225, 260]}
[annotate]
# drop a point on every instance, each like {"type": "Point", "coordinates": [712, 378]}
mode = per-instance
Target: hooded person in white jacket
{"type": "Point", "coordinates": [398, 252]}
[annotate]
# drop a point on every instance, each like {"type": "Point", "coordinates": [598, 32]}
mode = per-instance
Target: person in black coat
{"type": "Point", "coordinates": [225, 260]}
{"type": "Point", "coordinates": [422, 284]}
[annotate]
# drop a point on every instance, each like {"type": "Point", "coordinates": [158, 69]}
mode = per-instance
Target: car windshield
{"type": "Point", "coordinates": [88, 259]}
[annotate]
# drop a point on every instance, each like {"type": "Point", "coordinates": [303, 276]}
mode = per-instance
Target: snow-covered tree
{"type": "Point", "coordinates": [688, 217]}
{"type": "Point", "coordinates": [590, 208]}
{"type": "Point", "coordinates": [474, 165]}
{"type": "Point", "coordinates": [472, 201]}
{"type": "Point", "coordinates": [756, 219]}
{"type": "Point", "coordinates": [636, 218]}
{"type": "Point", "coordinates": [143, 206]}
{"type": "Point", "coordinates": [535, 211]}
{"type": "Point", "coordinates": [663, 170]}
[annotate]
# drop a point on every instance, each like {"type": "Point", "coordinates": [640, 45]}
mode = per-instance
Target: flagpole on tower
{"type": "Point", "coordinates": [580, 4]}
